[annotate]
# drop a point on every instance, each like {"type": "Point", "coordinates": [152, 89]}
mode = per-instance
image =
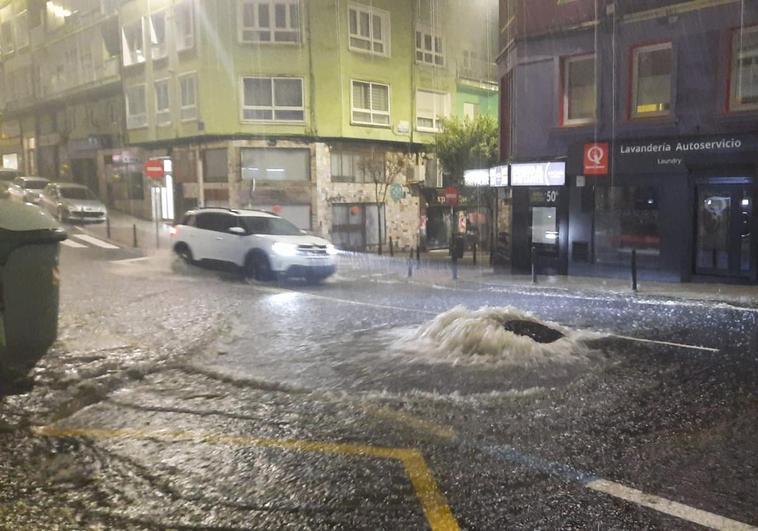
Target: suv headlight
{"type": "Point", "coordinates": [331, 250]}
{"type": "Point", "coordinates": [284, 249]}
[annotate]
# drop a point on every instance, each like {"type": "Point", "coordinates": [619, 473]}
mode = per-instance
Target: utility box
{"type": "Point", "coordinates": [29, 286]}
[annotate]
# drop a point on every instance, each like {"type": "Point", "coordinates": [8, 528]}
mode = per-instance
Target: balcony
{"type": "Point", "coordinates": [477, 70]}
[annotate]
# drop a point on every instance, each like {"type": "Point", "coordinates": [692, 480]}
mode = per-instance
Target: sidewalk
{"type": "Point", "coordinates": [437, 270]}
{"type": "Point", "coordinates": [125, 228]}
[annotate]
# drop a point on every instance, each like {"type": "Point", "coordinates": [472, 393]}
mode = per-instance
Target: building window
{"type": "Point", "coordinates": [158, 48]}
{"type": "Point", "coordinates": [357, 226]}
{"type": "Point", "coordinates": [6, 37]}
{"type": "Point", "coordinates": [277, 99]}
{"type": "Point", "coordinates": [579, 90]}
{"type": "Point", "coordinates": [162, 102]}
{"type": "Point", "coordinates": [369, 30]}
{"type": "Point", "coordinates": [276, 21]}
{"type": "Point", "coordinates": [188, 90]}
{"type": "Point", "coordinates": [431, 107]}
{"type": "Point", "coordinates": [652, 80]}
{"type": "Point", "coordinates": [627, 218]}
{"type": "Point", "coordinates": [470, 110]}
{"type": "Point", "coordinates": [276, 164]}
{"type": "Point", "coordinates": [22, 29]}
{"type": "Point", "coordinates": [353, 166]}
{"type": "Point", "coordinates": [184, 20]}
{"type": "Point", "coordinates": [371, 103]}
{"type": "Point", "coordinates": [215, 166]}
{"type": "Point", "coordinates": [133, 43]}
{"type": "Point", "coordinates": [136, 109]}
{"type": "Point", "coordinates": [744, 76]}
{"type": "Point", "coordinates": [429, 48]}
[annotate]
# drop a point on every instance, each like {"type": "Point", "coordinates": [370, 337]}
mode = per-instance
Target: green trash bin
{"type": "Point", "coordinates": [29, 278]}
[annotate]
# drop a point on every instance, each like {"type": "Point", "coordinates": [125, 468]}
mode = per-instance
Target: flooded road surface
{"type": "Point", "coordinates": [186, 398]}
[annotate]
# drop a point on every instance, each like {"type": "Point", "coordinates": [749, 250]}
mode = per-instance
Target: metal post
{"type": "Point", "coordinates": [392, 247]}
{"type": "Point", "coordinates": [108, 226]}
{"type": "Point", "coordinates": [534, 264]}
{"type": "Point", "coordinates": [634, 269]}
{"type": "Point", "coordinates": [158, 215]}
{"type": "Point", "coordinates": [455, 266]}
{"type": "Point", "coordinates": [134, 235]}
{"type": "Point", "coordinates": [473, 252]}
{"type": "Point", "coordinates": [418, 255]}
{"type": "Point", "coordinates": [410, 263]}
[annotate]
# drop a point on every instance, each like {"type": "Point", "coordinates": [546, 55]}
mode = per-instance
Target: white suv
{"type": "Point", "coordinates": [263, 244]}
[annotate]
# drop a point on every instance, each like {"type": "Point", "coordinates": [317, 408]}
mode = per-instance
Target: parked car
{"type": "Point", "coordinates": [73, 202]}
{"type": "Point", "coordinates": [6, 178]}
{"type": "Point", "coordinates": [264, 245]}
{"type": "Point", "coordinates": [27, 189]}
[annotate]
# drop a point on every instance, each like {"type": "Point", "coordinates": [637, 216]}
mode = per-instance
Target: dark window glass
{"type": "Point", "coordinates": [262, 225]}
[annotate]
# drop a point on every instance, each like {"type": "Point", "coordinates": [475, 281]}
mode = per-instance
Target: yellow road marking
{"type": "Point", "coordinates": [433, 502]}
{"type": "Point", "coordinates": [438, 430]}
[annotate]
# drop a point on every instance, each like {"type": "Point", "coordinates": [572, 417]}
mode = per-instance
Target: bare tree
{"type": "Point", "coordinates": [382, 169]}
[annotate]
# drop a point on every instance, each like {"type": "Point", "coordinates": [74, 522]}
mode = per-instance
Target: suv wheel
{"type": "Point", "coordinates": [258, 267]}
{"type": "Point", "coordinates": [185, 253]}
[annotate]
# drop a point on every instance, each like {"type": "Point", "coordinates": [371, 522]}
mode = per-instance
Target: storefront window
{"type": "Point", "coordinates": [276, 164]}
{"type": "Point", "coordinates": [627, 218]}
{"type": "Point", "coordinates": [356, 226]}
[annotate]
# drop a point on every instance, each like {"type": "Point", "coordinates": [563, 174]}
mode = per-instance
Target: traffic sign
{"type": "Point", "coordinates": [452, 197]}
{"type": "Point", "coordinates": [154, 169]}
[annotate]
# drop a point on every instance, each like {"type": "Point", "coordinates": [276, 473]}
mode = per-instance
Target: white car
{"type": "Point", "coordinates": [27, 189]}
{"type": "Point", "coordinates": [70, 202]}
{"type": "Point", "coordinates": [264, 245]}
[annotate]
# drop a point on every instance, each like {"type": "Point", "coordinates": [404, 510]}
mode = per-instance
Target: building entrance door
{"type": "Point", "coordinates": [724, 243]}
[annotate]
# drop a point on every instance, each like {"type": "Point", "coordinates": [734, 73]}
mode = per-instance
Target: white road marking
{"type": "Point", "coordinates": [672, 508]}
{"type": "Point", "coordinates": [666, 343]}
{"type": "Point", "coordinates": [131, 260]}
{"type": "Point", "coordinates": [73, 244]}
{"type": "Point", "coordinates": [95, 241]}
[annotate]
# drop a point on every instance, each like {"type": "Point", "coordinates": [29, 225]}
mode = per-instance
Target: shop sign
{"type": "Point", "coordinates": [476, 177]}
{"type": "Point", "coordinates": [499, 176]}
{"type": "Point", "coordinates": [538, 174]}
{"type": "Point", "coordinates": [596, 158]}
{"type": "Point", "coordinates": [674, 153]}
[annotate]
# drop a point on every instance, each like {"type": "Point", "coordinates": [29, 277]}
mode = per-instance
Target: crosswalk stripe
{"type": "Point", "coordinates": [73, 244]}
{"type": "Point", "coordinates": [94, 241]}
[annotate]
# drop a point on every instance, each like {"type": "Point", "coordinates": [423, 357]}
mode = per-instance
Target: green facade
{"type": "Point", "coordinates": [323, 59]}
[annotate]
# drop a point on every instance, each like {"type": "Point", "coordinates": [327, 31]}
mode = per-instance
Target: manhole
{"type": "Point", "coordinates": [538, 332]}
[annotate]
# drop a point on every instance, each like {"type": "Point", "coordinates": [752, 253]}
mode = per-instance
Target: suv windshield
{"type": "Point", "coordinates": [275, 226]}
{"type": "Point", "coordinates": [77, 193]}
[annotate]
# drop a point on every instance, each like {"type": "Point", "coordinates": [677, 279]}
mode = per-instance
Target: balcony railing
{"type": "Point", "coordinates": [477, 70]}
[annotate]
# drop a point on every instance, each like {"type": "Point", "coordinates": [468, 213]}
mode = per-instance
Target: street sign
{"type": "Point", "coordinates": [154, 169]}
{"type": "Point", "coordinates": [452, 197]}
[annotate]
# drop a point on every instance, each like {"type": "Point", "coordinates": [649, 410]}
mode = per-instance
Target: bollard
{"type": "Point", "coordinates": [473, 252]}
{"type": "Point", "coordinates": [108, 227]}
{"type": "Point", "coordinates": [634, 269]}
{"type": "Point", "coordinates": [418, 256]}
{"type": "Point", "coordinates": [534, 264]}
{"type": "Point", "coordinates": [157, 236]}
{"type": "Point", "coordinates": [134, 235]}
{"type": "Point", "coordinates": [392, 247]}
{"type": "Point", "coordinates": [410, 263]}
{"type": "Point", "coordinates": [455, 267]}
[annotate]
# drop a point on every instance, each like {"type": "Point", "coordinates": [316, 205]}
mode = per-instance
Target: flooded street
{"type": "Point", "coordinates": [186, 398]}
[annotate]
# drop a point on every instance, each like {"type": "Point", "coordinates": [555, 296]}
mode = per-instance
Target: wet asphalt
{"type": "Point", "coordinates": [185, 398]}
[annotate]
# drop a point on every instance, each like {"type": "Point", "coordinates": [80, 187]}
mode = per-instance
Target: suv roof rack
{"type": "Point", "coordinates": [216, 208]}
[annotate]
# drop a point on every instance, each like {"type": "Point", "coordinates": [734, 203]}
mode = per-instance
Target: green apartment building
{"type": "Point", "coordinates": [295, 106]}
{"type": "Point", "coordinates": [292, 105]}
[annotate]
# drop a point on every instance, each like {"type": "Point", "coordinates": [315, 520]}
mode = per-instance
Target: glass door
{"type": "Point", "coordinates": [724, 244]}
